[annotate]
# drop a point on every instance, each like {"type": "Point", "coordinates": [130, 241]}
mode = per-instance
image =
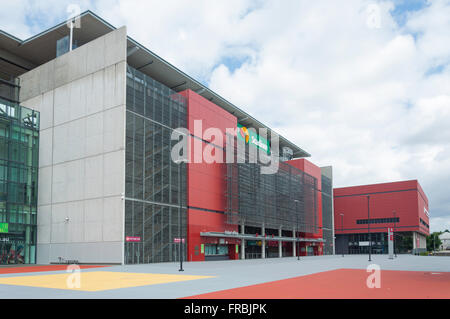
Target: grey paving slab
{"type": "Point", "coordinates": [227, 275]}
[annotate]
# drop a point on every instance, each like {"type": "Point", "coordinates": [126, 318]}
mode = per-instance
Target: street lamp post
{"type": "Point", "coordinates": [368, 226]}
{"type": "Point", "coordinates": [395, 223]}
{"type": "Point", "coordinates": [434, 243]}
{"type": "Point", "coordinates": [342, 231]}
{"type": "Point", "coordinates": [180, 162]}
{"type": "Point", "coordinates": [297, 242]}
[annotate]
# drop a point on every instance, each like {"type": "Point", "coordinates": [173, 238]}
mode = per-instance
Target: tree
{"type": "Point", "coordinates": [433, 241]}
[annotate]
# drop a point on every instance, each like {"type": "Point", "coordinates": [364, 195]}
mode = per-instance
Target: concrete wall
{"type": "Point", "coordinates": [419, 243]}
{"type": "Point", "coordinates": [81, 96]}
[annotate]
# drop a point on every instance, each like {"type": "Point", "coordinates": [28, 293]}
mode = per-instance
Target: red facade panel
{"type": "Point", "coordinates": [211, 115]}
{"type": "Point", "coordinates": [206, 181]}
{"type": "Point", "coordinates": [403, 198]}
{"type": "Point", "coordinates": [203, 221]}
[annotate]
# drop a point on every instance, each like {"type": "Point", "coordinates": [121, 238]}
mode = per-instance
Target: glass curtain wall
{"type": "Point", "coordinates": [327, 215]}
{"type": "Point", "coordinates": [9, 87]}
{"type": "Point", "coordinates": [155, 185]}
{"type": "Point", "coordinates": [19, 155]}
{"type": "Point", "coordinates": [285, 199]}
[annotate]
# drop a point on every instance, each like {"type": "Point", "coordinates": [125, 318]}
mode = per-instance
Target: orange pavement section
{"type": "Point", "coordinates": [345, 284]}
{"type": "Point", "coordinates": [26, 269]}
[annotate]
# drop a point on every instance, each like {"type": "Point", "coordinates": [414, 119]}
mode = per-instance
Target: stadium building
{"type": "Point", "coordinates": [363, 215]}
{"type": "Point", "coordinates": [102, 186]}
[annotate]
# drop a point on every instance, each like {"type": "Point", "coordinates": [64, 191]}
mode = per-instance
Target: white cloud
{"type": "Point", "coordinates": [193, 35]}
{"type": "Point", "coordinates": [25, 18]}
{"type": "Point", "coordinates": [439, 223]}
{"type": "Point", "coordinates": [13, 19]}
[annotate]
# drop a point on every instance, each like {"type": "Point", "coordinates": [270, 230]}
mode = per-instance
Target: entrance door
{"type": "Point", "coordinates": [12, 249]}
{"type": "Point", "coordinates": [133, 253]}
{"type": "Point", "coordinates": [216, 252]}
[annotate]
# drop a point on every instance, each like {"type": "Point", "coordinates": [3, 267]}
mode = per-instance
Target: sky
{"type": "Point", "coordinates": [361, 85]}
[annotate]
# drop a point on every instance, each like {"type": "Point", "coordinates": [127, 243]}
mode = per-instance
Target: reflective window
{"type": "Point", "coordinates": [19, 142]}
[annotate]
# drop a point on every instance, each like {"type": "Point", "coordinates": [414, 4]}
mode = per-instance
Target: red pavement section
{"type": "Point", "coordinates": [27, 269]}
{"type": "Point", "coordinates": [345, 284]}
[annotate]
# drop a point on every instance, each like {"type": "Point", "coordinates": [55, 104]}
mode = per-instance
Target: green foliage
{"type": "Point", "coordinates": [433, 241]}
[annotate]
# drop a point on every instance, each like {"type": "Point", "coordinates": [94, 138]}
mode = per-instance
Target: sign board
{"type": "Point", "coordinates": [391, 242]}
{"type": "Point", "coordinates": [177, 240]}
{"type": "Point", "coordinates": [426, 212]}
{"type": "Point", "coordinates": [250, 137]}
{"type": "Point", "coordinates": [237, 249]}
{"type": "Point", "coordinates": [4, 227]}
{"type": "Point", "coordinates": [364, 243]}
{"type": "Point", "coordinates": [202, 248]}
{"type": "Point", "coordinates": [133, 239]}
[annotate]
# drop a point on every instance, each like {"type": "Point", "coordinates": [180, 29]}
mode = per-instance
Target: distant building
{"type": "Point", "coordinates": [445, 239]}
{"type": "Point", "coordinates": [363, 215]}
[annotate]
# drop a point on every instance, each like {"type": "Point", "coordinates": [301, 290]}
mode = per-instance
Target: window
{"type": "Point", "coordinates": [424, 223]}
{"type": "Point", "coordinates": [211, 250]}
{"type": "Point", "coordinates": [378, 221]}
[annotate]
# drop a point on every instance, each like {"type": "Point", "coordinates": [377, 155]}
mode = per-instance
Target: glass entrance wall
{"type": "Point", "coordinates": [359, 243]}
{"type": "Point", "coordinates": [19, 155]}
{"type": "Point", "coordinates": [154, 185]}
{"type": "Point", "coordinates": [212, 250]}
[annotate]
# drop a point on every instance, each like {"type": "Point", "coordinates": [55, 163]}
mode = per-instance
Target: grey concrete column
{"type": "Point", "coordinates": [280, 248]}
{"type": "Point", "coordinates": [415, 247]}
{"type": "Point", "coordinates": [294, 244]}
{"type": "Point", "coordinates": [242, 241]}
{"type": "Point", "coordinates": [263, 244]}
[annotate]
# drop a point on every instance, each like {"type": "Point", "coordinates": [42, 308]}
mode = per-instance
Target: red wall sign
{"type": "Point", "coordinates": [133, 239]}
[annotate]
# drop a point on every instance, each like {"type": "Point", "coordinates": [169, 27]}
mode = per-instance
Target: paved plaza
{"type": "Point", "coordinates": [406, 276]}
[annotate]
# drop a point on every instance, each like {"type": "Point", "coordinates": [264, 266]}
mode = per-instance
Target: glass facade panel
{"type": "Point", "coordinates": [9, 89]}
{"type": "Point", "coordinates": [285, 199]}
{"type": "Point", "coordinates": [327, 215]}
{"type": "Point", "coordinates": [19, 154]}
{"type": "Point", "coordinates": [153, 181]}
{"type": "Point", "coordinates": [216, 250]}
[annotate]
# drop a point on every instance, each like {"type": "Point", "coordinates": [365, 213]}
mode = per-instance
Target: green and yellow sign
{"type": "Point", "coordinates": [250, 137]}
{"type": "Point", "coordinates": [3, 227]}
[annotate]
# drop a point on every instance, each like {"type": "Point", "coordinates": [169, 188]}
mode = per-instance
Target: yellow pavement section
{"type": "Point", "coordinates": [96, 280]}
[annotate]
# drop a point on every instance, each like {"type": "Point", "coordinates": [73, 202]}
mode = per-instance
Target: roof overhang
{"type": "Point", "coordinates": [254, 237]}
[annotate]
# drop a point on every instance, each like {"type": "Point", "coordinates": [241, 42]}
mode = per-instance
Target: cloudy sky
{"type": "Point", "coordinates": [361, 85]}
